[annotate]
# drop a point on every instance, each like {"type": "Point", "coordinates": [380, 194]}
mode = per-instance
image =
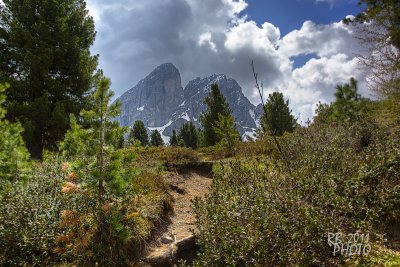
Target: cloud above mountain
{"type": "Point", "coordinates": [215, 36]}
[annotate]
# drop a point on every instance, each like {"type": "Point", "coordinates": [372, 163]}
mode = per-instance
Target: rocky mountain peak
{"type": "Point", "coordinates": [154, 98]}
{"type": "Point", "coordinates": [161, 103]}
{"type": "Point", "coordinates": [166, 67]}
{"type": "Point", "coordinates": [165, 76]}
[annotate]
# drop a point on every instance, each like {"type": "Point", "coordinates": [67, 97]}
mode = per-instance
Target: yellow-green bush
{"type": "Point", "coordinates": [160, 157]}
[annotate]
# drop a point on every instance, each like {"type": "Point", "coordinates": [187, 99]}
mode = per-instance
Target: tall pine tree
{"type": "Point", "coordinates": [188, 135]}
{"type": "Point", "coordinates": [216, 105]}
{"type": "Point", "coordinates": [45, 57]}
{"type": "Point", "coordinates": [99, 167]}
{"type": "Point", "coordinates": [277, 118]}
{"type": "Point", "coordinates": [156, 139]}
{"type": "Point", "coordinates": [97, 141]}
{"type": "Point", "coordinates": [139, 133]}
{"type": "Point", "coordinates": [226, 131]}
{"type": "Point", "coordinates": [347, 102]}
{"type": "Point", "coordinates": [347, 107]}
{"type": "Point", "coordinates": [174, 139]}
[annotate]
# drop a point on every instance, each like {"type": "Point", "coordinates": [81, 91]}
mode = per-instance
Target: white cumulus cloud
{"type": "Point", "coordinates": [213, 36]}
{"type": "Point", "coordinates": [323, 40]}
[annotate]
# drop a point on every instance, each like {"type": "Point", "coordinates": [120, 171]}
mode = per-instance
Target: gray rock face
{"type": "Point", "coordinates": [154, 99]}
{"type": "Point", "coordinates": [161, 103]}
{"type": "Point", "coordinates": [197, 90]}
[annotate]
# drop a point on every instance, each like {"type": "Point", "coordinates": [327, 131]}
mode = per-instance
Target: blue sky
{"type": "Point", "coordinates": [300, 47]}
{"type": "Point", "coordinates": [290, 14]}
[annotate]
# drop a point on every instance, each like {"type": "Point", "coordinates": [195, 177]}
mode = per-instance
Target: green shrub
{"type": "Point", "coordinates": [160, 157]}
{"type": "Point", "coordinates": [30, 216]}
{"type": "Point", "coordinates": [131, 215]}
{"type": "Point", "coordinates": [277, 209]}
{"type": "Point", "coordinates": [255, 215]}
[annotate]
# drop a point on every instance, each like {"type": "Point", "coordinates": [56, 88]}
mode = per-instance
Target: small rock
{"type": "Point", "coordinates": [167, 239]}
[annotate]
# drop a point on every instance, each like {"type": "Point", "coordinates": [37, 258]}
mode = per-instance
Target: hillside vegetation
{"type": "Point", "coordinates": [266, 206]}
{"type": "Point", "coordinates": [281, 205]}
{"type": "Point", "coordinates": [77, 189]}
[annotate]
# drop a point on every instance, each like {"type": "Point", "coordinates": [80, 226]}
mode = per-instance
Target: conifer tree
{"type": "Point", "coordinates": [216, 104]}
{"type": "Point", "coordinates": [120, 143]}
{"type": "Point", "coordinates": [98, 141]}
{"type": "Point", "coordinates": [347, 102]}
{"type": "Point", "coordinates": [45, 57]}
{"type": "Point", "coordinates": [193, 140]}
{"type": "Point", "coordinates": [277, 118]}
{"type": "Point", "coordinates": [184, 135]}
{"type": "Point", "coordinates": [323, 113]}
{"type": "Point", "coordinates": [156, 139]}
{"type": "Point", "coordinates": [347, 106]}
{"type": "Point", "coordinates": [14, 164]}
{"type": "Point", "coordinates": [188, 135]}
{"type": "Point", "coordinates": [174, 139]}
{"type": "Point", "coordinates": [99, 167]}
{"type": "Point", "coordinates": [200, 138]}
{"type": "Point", "coordinates": [226, 131]}
{"type": "Point", "coordinates": [139, 132]}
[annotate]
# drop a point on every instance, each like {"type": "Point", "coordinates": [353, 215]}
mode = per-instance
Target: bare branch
{"type": "Point", "coordinates": [261, 93]}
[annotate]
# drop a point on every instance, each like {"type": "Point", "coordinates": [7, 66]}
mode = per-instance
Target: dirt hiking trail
{"type": "Point", "coordinates": [177, 241]}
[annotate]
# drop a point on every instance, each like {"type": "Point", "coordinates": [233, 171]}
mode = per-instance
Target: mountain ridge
{"type": "Point", "coordinates": [160, 101]}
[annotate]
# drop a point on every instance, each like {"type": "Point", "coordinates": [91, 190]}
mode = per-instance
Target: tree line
{"type": "Point", "coordinates": [45, 59]}
{"type": "Point", "coordinates": [218, 125]}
